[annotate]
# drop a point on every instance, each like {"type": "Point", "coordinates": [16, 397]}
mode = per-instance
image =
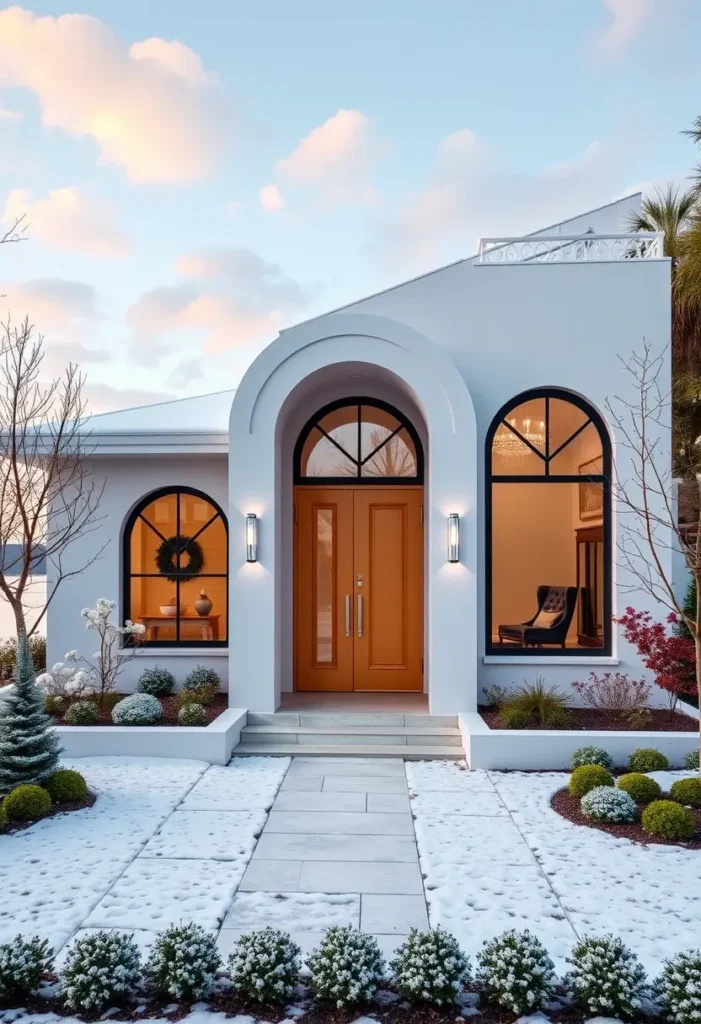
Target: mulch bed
{"type": "Point", "coordinates": [72, 805]}
{"type": "Point", "coordinates": [590, 719]}
{"type": "Point", "coordinates": [568, 806]}
{"type": "Point", "coordinates": [170, 710]}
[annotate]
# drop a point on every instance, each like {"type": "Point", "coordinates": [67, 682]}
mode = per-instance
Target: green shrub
{"type": "Point", "coordinates": [606, 977]}
{"type": "Point", "coordinates": [26, 803]}
{"type": "Point", "coordinates": [646, 759]}
{"type": "Point", "coordinates": [346, 967]}
{"type": "Point", "coordinates": [687, 792]}
{"type": "Point", "coordinates": [542, 707]}
{"type": "Point", "coordinates": [66, 785]}
{"type": "Point", "coordinates": [3, 816]}
{"type": "Point", "coordinates": [592, 755]}
{"type": "Point", "coordinates": [640, 787]}
{"type": "Point", "coordinates": [202, 676]}
{"type": "Point", "coordinates": [516, 972]}
{"type": "Point", "coordinates": [22, 964]}
{"type": "Point", "coordinates": [157, 681]}
{"type": "Point", "coordinates": [8, 656]}
{"type": "Point", "coordinates": [83, 712]}
{"type": "Point", "coordinates": [192, 714]}
{"type": "Point", "coordinates": [264, 966]}
{"type": "Point", "coordinates": [100, 970]}
{"type": "Point", "coordinates": [54, 705]}
{"type": "Point", "coordinates": [589, 776]}
{"type": "Point", "coordinates": [202, 695]}
{"type": "Point", "coordinates": [679, 988]}
{"type": "Point", "coordinates": [667, 819]}
{"type": "Point", "coordinates": [429, 967]}
{"type": "Point", "coordinates": [137, 709]}
{"type": "Point", "coordinates": [183, 962]}
{"type": "Point", "coordinates": [691, 761]}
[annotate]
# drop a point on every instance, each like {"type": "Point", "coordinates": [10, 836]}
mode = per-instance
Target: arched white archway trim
{"type": "Point", "coordinates": [442, 396]}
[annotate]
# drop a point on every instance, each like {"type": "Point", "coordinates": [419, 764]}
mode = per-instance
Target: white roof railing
{"type": "Point", "coordinates": [588, 248]}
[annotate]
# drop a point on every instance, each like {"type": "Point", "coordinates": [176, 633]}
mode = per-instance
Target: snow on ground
{"type": "Point", "coordinates": [495, 856]}
{"type": "Point", "coordinates": [137, 859]}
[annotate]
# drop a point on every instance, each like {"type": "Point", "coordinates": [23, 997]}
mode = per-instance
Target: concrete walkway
{"type": "Point", "coordinates": [338, 848]}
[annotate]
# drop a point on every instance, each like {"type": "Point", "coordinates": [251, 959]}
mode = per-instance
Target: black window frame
{"type": "Point", "coordinates": [547, 393]}
{"type": "Point", "coordinates": [358, 480]}
{"type": "Point", "coordinates": [128, 575]}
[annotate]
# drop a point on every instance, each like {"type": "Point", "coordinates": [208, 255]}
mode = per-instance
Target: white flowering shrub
{"type": "Point", "coordinates": [265, 965]}
{"type": "Point", "coordinates": [430, 967]}
{"type": "Point", "coordinates": [691, 761]}
{"type": "Point", "coordinates": [183, 962]}
{"type": "Point", "coordinates": [67, 679]}
{"type": "Point", "coordinates": [606, 978]}
{"type": "Point", "coordinates": [192, 714]}
{"type": "Point", "coordinates": [100, 970]}
{"type": "Point", "coordinates": [22, 963]}
{"type": "Point", "coordinates": [346, 967]}
{"type": "Point", "coordinates": [592, 755]}
{"type": "Point", "coordinates": [516, 972]}
{"type": "Point", "coordinates": [606, 804]}
{"type": "Point", "coordinates": [137, 709]}
{"type": "Point", "coordinates": [679, 988]}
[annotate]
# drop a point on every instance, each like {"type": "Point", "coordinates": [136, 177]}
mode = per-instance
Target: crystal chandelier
{"type": "Point", "coordinates": [509, 446]}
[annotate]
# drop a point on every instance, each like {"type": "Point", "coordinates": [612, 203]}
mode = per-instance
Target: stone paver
{"type": "Point", "coordinates": [338, 847]}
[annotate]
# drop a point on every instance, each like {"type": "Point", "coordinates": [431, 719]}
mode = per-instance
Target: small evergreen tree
{"type": "Point", "coordinates": [29, 746]}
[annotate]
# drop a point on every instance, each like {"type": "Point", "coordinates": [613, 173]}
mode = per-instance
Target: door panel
{"type": "Point", "coordinates": [323, 580]}
{"type": "Point", "coordinates": [388, 572]}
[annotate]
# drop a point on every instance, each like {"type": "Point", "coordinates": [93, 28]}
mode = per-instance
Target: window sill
{"type": "Point", "coordinates": [555, 659]}
{"type": "Point", "coordinates": [176, 652]}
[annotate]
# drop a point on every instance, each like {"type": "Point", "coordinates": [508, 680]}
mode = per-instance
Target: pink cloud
{"type": "Point", "coordinates": [627, 16]}
{"type": "Point", "coordinates": [271, 198]}
{"type": "Point", "coordinates": [67, 219]}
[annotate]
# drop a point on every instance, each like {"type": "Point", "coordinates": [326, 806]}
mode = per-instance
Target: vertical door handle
{"type": "Point", "coordinates": [347, 614]}
{"type": "Point", "coordinates": [360, 614]}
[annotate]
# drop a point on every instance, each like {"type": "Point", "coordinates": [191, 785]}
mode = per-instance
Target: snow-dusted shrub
{"type": "Point", "coordinates": [183, 962]}
{"type": "Point", "coordinates": [137, 709]}
{"type": "Point", "coordinates": [669, 820]}
{"type": "Point", "coordinates": [691, 761]}
{"type": "Point", "coordinates": [192, 714]}
{"type": "Point", "coordinates": [203, 695]}
{"type": "Point", "coordinates": [607, 804]}
{"type": "Point", "coordinates": [22, 963]}
{"type": "Point", "coordinates": [157, 681]}
{"type": "Point", "coordinates": [592, 755]}
{"type": "Point", "coordinates": [100, 970]}
{"type": "Point", "coordinates": [687, 792]}
{"type": "Point", "coordinates": [589, 776]}
{"type": "Point", "coordinates": [26, 803]}
{"type": "Point", "coordinates": [647, 759]}
{"type": "Point", "coordinates": [83, 712]}
{"type": "Point", "coordinates": [516, 972]}
{"type": "Point", "coordinates": [606, 977]}
{"type": "Point", "coordinates": [66, 785]}
{"type": "Point", "coordinates": [640, 787]}
{"type": "Point", "coordinates": [679, 988]}
{"type": "Point", "coordinates": [201, 676]}
{"type": "Point", "coordinates": [264, 966]}
{"type": "Point", "coordinates": [346, 967]}
{"type": "Point", "coordinates": [430, 967]}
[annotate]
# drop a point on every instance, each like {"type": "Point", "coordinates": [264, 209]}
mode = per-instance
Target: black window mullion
{"type": "Point", "coordinates": [547, 436]}
{"type": "Point", "coordinates": [380, 446]}
{"type": "Point", "coordinates": [334, 442]}
{"type": "Point", "coordinates": [177, 571]}
{"type": "Point", "coordinates": [203, 528]}
{"type": "Point", "coordinates": [571, 438]}
{"type": "Point", "coordinates": [525, 440]}
{"type": "Point", "coordinates": [359, 464]}
{"type": "Point", "coordinates": [157, 532]}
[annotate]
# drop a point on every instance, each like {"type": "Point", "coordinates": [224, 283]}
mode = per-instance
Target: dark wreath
{"type": "Point", "coordinates": [167, 558]}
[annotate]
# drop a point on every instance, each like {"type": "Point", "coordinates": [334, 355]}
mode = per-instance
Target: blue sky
{"type": "Point", "coordinates": [196, 176]}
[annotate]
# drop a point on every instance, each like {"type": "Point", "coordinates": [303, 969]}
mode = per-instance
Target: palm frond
{"type": "Point", "coordinates": [669, 211]}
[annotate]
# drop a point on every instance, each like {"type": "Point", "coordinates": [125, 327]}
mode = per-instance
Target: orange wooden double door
{"type": "Point", "coordinates": [359, 588]}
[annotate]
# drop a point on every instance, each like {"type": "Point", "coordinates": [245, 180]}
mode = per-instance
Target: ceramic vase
{"type": "Point", "coordinates": [203, 605]}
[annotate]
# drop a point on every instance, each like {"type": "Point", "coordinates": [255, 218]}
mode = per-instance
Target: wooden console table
{"type": "Point", "coordinates": [209, 624]}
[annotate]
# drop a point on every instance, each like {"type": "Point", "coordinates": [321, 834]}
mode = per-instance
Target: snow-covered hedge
{"type": "Point", "coordinates": [265, 965]}
{"type": "Point", "coordinates": [183, 962]}
{"type": "Point", "coordinates": [613, 806]}
{"type": "Point", "coordinates": [100, 970]}
{"type": "Point", "coordinates": [429, 967]}
{"type": "Point", "coordinates": [592, 755]}
{"type": "Point", "coordinates": [679, 988]}
{"type": "Point", "coordinates": [516, 972]}
{"type": "Point", "coordinates": [137, 709]}
{"type": "Point", "coordinates": [346, 967]}
{"type": "Point", "coordinates": [22, 963]}
{"type": "Point", "coordinates": [606, 978]}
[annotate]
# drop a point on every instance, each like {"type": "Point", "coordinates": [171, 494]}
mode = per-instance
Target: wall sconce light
{"type": "Point", "coordinates": [453, 537]}
{"type": "Point", "coordinates": [251, 537]}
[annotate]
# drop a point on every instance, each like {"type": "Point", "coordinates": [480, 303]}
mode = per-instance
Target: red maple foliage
{"type": "Point", "coordinates": [669, 656]}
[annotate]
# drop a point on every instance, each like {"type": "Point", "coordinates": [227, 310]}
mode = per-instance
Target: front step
{"type": "Point", "coordinates": [422, 737]}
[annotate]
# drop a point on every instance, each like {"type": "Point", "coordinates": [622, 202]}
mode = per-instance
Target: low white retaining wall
{"type": "Point", "coordinates": [549, 750]}
{"type": "Point", "coordinates": [213, 743]}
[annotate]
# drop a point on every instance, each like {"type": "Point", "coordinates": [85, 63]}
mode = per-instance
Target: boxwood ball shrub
{"type": "Point", "coordinates": [137, 709]}
{"type": "Point", "coordinates": [589, 776]}
{"type": "Point", "coordinates": [54, 704]}
{"type": "Point", "coordinates": [183, 962]}
{"type": "Point", "coordinates": [640, 787]}
{"type": "Point", "coordinates": [157, 681]}
{"type": "Point", "coordinates": [83, 712]}
{"type": "Point", "coordinates": [592, 755]}
{"type": "Point", "coordinates": [516, 972]}
{"type": "Point", "coordinates": [679, 988]}
{"type": "Point", "coordinates": [430, 967]}
{"type": "Point", "coordinates": [608, 804]}
{"type": "Point", "coordinates": [667, 819]}
{"type": "Point", "coordinates": [264, 966]}
{"type": "Point", "coordinates": [22, 964]}
{"type": "Point", "coordinates": [100, 970]}
{"type": "Point", "coordinates": [691, 761]}
{"type": "Point", "coordinates": [687, 792]}
{"type": "Point", "coordinates": [202, 676]}
{"type": "Point", "coordinates": [346, 967]}
{"type": "Point", "coordinates": [606, 977]}
{"type": "Point", "coordinates": [647, 759]}
{"type": "Point", "coordinates": [192, 714]}
{"type": "Point", "coordinates": [202, 695]}
{"type": "Point", "coordinates": [66, 785]}
{"type": "Point", "coordinates": [26, 803]}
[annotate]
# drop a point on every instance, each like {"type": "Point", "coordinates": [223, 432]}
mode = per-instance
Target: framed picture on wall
{"type": "Point", "coordinates": [591, 495]}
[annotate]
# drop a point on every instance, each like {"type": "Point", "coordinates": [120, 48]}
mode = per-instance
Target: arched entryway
{"type": "Point", "coordinates": [358, 550]}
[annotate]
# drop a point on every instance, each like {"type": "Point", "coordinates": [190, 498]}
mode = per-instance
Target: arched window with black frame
{"type": "Point", "coordinates": [176, 569]}
{"type": "Point", "coordinates": [358, 441]}
{"type": "Point", "coordinates": [548, 527]}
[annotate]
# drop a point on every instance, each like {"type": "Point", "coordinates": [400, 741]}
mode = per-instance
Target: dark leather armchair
{"type": "Point", "coordinates": [560, 600]}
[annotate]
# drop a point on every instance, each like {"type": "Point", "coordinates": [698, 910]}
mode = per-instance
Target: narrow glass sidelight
{"type": "Point", "coordinates": [324, 584]}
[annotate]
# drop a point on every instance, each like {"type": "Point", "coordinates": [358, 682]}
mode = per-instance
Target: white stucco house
{"type": "Point", "coordinates": [410, 494]}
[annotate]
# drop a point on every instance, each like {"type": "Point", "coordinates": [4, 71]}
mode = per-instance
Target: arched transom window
{"type": "Point", "coordinates": [176, 567]}
{"type": "Point", "coordinates": [358, 441]}
{"type": "Point", "coordinates": [548, 527]}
